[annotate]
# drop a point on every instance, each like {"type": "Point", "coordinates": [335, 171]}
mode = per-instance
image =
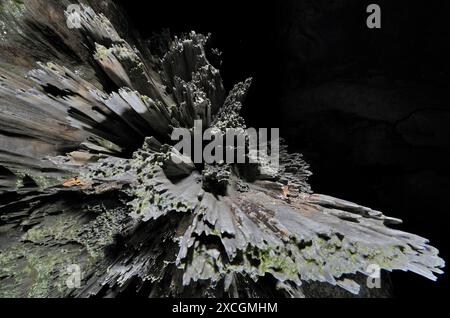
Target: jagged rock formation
{"type": "Point", "coordinates": [88, 177]}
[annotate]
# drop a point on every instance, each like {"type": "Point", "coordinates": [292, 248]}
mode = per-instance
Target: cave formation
{"type": "Point", "coordinates": [86, 177]}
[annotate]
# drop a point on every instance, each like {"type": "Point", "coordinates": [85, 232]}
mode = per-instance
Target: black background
{"type": "Point", "coordinates": [370, 109]}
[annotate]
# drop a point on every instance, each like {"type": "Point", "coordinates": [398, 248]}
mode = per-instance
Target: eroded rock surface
{"type": "Point", "coordinates": [88, 178]}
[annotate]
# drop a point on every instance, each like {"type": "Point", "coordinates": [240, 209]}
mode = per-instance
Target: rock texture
{"type": "Point", "coordinates": [88, 177]}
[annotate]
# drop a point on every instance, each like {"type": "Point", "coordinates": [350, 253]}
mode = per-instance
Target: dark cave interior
{"type": "Point", "coordinates": [368, 108]}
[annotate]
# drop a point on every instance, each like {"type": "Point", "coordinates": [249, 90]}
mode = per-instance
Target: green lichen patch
{"type": "Point", "coordinates": [36, 271]}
